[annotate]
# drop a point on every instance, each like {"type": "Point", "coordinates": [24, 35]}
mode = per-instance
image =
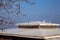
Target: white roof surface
{"type": "Point", "coordinates": [30, 32]}
{"type": "Point", "coordinates": [38, 23]}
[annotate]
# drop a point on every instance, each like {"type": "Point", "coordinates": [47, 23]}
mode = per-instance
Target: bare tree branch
{"type": "Point", "coordinates": [10, 6]}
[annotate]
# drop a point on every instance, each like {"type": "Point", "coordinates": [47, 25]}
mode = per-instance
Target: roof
{"type": "Point", "coordinates": [37, 23]}
{"type": "Point", "coordinates": [31, 33]}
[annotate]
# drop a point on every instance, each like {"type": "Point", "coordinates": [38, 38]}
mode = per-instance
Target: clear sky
{"type": "Point", "coordinates": [48, 10]}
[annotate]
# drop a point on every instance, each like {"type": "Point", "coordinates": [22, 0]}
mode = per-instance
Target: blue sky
{"type": "Point", "coordinates": [48, 10]}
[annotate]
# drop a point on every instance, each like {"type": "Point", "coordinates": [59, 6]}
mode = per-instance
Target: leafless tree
{"type": "Point", "coordinates": [10, 7]}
